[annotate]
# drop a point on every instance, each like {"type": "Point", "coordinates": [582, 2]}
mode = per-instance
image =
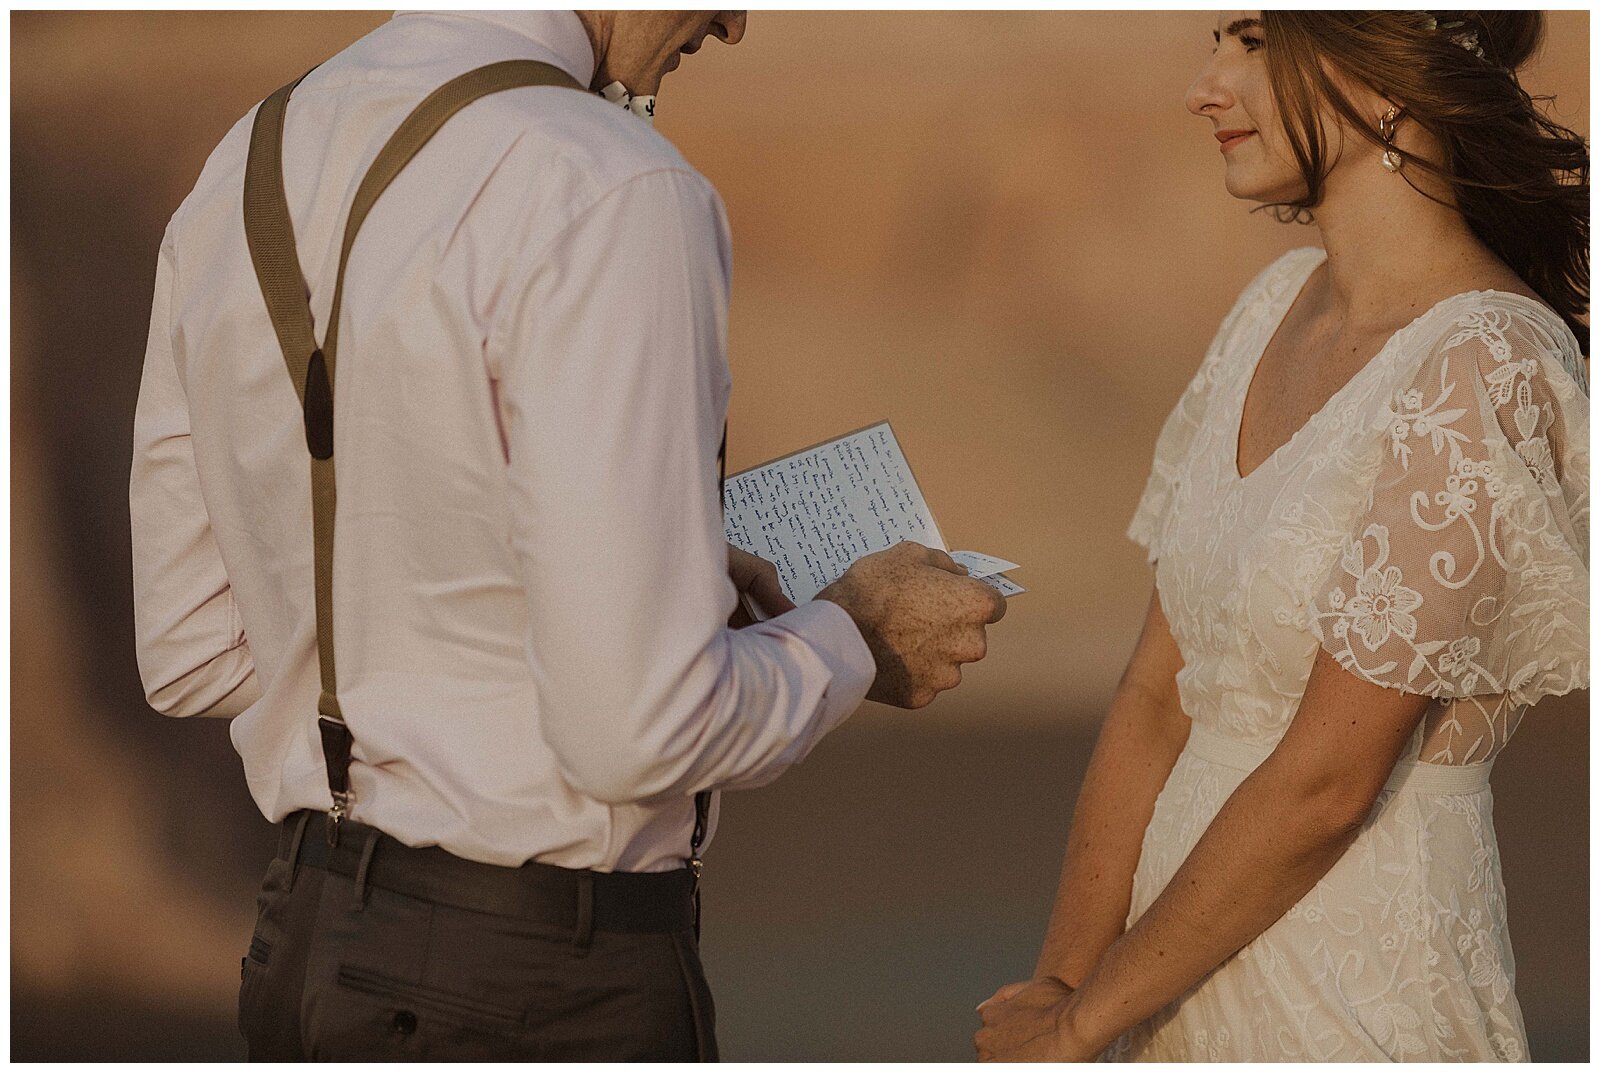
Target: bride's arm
{"type": "Point", "coordinates": [1276, 835]}
{"type": "Point", "coordinates": [1141, 738]}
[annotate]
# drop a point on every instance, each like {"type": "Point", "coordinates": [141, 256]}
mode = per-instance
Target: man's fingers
{"type": "Point", "coordinates": [768, 594]}
{"type": "Point", "coordinates": [972, 649]}
{"type": "Point", "coordinates": [742, 565]}
{"type": "Point", "coordinates": [757, 577]}
{"type": "Point", "coordinates": [997, 609]}
{"type": "Point", "coordinates": [987, 605]}
{"type": "Point", "coordinates": [942, 560]}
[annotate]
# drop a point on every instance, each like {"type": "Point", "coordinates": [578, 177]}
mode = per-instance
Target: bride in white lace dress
{"type": "Point", "coordinates": [1369, 521]}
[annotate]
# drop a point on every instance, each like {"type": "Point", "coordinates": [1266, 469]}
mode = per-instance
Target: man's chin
{"type": "Point", "coordinates": [638, 83]}
{"type": "Point", "coordinates": [645, 84]}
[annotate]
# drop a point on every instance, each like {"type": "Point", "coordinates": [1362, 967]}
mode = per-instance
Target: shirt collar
{"type": "Point", "coordinates": [557, 32]}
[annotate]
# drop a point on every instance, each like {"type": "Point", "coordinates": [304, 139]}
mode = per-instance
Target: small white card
{"type": "Point", "coordinates": [980, 565]}
{"type": "Point", "coordinates": [1003, 584]}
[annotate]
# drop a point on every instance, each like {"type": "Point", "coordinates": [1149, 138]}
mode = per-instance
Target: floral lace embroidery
{"type": "Point", "coordinates": [1429, 528]}
{"type": "Point", "coordinates": [1473, 489]}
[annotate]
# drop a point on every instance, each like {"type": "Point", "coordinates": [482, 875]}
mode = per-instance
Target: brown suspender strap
{"type": "Point", "coordinates": [270, 235]}
{"type": "Point", "coordinates": [702, 800]}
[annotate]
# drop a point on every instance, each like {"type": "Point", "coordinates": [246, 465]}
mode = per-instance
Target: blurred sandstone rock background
{"type": "Point", "coordinates": [999, 230]}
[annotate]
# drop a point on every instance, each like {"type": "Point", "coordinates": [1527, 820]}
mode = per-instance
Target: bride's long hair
{"type": "Point", "coordinates": [1520, 178]}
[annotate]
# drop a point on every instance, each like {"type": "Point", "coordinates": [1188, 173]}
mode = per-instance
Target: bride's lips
{"type": "Point", "coordinates": [1231, 138]}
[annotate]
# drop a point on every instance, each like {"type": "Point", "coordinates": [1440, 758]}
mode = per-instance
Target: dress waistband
{"type": "Point", "coordinates": [1409, 776]}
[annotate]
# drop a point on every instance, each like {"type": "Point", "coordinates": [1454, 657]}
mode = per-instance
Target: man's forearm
{"type": "Point", "coordinates": [189, 637]}
{"type": "Point", "coordinates": [1138, 745]}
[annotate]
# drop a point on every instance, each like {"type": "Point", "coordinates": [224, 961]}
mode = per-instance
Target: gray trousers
{"type": "Point", "coordinates": [337, 971]}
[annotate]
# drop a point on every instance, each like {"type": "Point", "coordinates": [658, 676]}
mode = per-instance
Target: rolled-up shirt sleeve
{"type": "Point", "coordinates": [192, 652]}
{"type": "Point", "coordinates": [612, 364]}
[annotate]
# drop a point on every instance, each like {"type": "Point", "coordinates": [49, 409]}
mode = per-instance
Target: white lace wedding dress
{"type": "Point", "coordinates": [1429, 527]}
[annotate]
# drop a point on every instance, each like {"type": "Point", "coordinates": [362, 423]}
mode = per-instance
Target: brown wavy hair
{"type": "Point", "coordinates": [1520, 178]}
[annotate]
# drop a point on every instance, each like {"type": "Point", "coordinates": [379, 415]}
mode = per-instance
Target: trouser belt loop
{"type": "Point", "coordinates": [294, 846]}
{"type": "Point", "coordinates": [584, 931]}
{"type": "Point", "coordinates": [367, 849]}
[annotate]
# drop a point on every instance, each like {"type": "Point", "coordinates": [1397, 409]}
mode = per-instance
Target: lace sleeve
{"type": "Point", "coordinates": [1466, 576]}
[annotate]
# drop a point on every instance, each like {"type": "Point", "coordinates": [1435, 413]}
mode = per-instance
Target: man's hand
{"type": "Point", "coordinates": [921, 616]}
{"type": "Point", "coordinates": [1030, 1022]}
{"type": "Point", "coordinates": [753, 576]}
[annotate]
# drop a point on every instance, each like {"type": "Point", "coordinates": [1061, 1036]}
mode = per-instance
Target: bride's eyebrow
{"type": "Point", "coordinates": [1236, 27]}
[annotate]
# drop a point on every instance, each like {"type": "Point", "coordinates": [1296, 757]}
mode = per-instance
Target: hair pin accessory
{"type": "Point", "coordinates": [1457, 31]}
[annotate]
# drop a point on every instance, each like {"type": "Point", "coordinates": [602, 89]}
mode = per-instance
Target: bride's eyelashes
{"type": "Point", "coordinates": [1250, 43]}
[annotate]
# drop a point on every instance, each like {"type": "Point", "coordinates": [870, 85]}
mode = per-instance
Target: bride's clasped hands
{"type": "Point", "coordinates": [1032, 1021]}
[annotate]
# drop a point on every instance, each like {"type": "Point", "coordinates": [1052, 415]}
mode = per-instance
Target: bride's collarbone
{"type": "Point", "coordinates": [1303, 367]}
{"type": "Point", "coordinates": [1318, 348]}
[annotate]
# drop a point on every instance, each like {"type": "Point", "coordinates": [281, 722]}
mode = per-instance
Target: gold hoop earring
{"type": "Point", "coordinates": [1391, 159]}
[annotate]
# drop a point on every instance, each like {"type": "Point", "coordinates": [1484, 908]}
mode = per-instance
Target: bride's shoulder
{"type": "Point", "coordinates": [1499, 330]}
{"type": "Point", "coordinates": [1287, 272]}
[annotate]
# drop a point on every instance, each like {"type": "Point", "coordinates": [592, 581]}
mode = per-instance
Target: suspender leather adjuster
{"type": "Point", "coordinates": [317, 410]}
{"type": "Point", "coordinates": [336, 743]}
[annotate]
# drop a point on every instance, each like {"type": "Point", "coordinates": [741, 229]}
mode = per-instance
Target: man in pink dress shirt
{"type": "Point", "coordinates": [531, 586]}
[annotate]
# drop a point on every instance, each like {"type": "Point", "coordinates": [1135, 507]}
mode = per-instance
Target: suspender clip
{"type": "Point", "coordinates": [336, 742]}
{"type": "Point", "coordinates": [340, 809]}
{"type": "Point", "coordinates": [695, 867]}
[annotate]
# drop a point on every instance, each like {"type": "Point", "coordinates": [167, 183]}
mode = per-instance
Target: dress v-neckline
{"type": "Point", "coordinates": [1255, 367]}
{"type": "Point", "coordinates": [1250, 379]}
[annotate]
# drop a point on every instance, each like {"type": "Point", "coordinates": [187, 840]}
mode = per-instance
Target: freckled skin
{"type": "Point", "coordinates": [921, 617]}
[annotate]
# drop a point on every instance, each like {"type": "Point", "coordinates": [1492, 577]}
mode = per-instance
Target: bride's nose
{"type": "Point", "coordinates": [1209, 92]}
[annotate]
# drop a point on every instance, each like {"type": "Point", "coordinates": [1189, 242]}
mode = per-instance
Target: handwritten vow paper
{"type": "Point", "coordinates": [815, 512]}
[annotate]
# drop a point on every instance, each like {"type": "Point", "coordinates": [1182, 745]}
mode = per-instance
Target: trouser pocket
{"type": "Point", "coordinates": [370, 1016]}
{"type": "Point", "coordinates": [252, 977]}
{"type": "Point", "coordinates": [369, 982]}
{"type": "Point", "coordinates": [272, 971]}
{"type": "Point", "coordinates": [255, 967]}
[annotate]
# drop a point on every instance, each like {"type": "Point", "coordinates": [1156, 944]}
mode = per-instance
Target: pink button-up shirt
{"type": "Point", "coordinates": [530, 587]}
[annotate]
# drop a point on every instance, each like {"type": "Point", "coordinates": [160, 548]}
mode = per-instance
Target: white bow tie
{"type": "Point", "coordinates": [643, 107]}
